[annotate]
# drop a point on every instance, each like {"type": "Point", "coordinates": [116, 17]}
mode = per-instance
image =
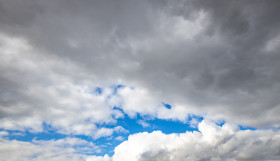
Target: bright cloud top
{"type": "Point", "coordinates": [211, 143]}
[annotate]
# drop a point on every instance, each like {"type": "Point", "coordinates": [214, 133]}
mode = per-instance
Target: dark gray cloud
{"type": "Point", "coordinates": [214, 57]}
{"type": "Point", "coordinates": [219, 59]}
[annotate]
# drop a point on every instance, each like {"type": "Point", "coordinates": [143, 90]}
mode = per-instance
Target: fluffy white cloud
{"type": "Point", "coordinates": [138, 100]}
{"type": "Point", "coordinates": [211, 143]}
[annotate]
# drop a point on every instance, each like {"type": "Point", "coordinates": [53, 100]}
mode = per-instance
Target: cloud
{"type": "Point", "coordinates": [120, 129]}
{"type": "Point", "coordinates": [138, 100]}
{"type": "Point", "coordinates": [103, 132]}
{"type": "Point", "coordinates": [98, 158]}
{"type": "Point", "coordinates": [3, 133]}
{"type": "Point", "coordinates": [215, 59]}
{"type": "Point", "coordinates": [73, 149]}
{"type": "Point", "coordinates": [143, 123]}
{"type": "Point", "coordinates": [211, 143]}
{"type": "Point", "coordinates": [119, 138]}
{"type": "Point", "coordinates": [37, 90]}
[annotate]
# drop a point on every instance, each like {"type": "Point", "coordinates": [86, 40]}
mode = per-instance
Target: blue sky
{"type": "Point", "coordinates": [108, 143]}
{"type": "Point", "coordinates": [124, 124]}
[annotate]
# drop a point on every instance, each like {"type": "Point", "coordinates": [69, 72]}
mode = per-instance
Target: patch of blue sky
{"type": "Point", "coordinates": [47, 134]}
{"type": "Point", "coordinates": [168, 106]}
{"type": "Point", "coordinates": [138, 124]}
{"type": "Point", "coordinates": [241, 127]}
{"type": "Point", "coordinates": [220, 122]}
{"type": "Point", "coordinates": [98, 90]}
{"type": "Point", "coordinates": [116, 88]}
{"type": "Point", "coordinates": [107, 144]}
{"type": "Point", "coordinates": [27, 136]}
{"type": "Point", "coordinates": [133, 126]}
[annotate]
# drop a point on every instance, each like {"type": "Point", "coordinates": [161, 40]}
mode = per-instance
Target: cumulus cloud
{"type": "Point", "coordinates": [211, 143]}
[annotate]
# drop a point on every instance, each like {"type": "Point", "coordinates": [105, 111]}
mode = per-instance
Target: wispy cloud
{"type": "Point", "coordinates": [143, 123]}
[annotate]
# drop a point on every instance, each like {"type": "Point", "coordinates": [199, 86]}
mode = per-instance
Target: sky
{"type": "Point", "coordinates": [131, 80]}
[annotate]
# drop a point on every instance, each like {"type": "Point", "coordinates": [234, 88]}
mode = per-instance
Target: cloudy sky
{"type": "Point", "coordinates": [139, 80]}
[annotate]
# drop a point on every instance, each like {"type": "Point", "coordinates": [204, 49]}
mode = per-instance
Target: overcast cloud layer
{"type": "Point", "coordinates": [216, 59]}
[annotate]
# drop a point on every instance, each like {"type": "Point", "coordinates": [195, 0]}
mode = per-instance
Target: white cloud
{"type": "Point", "coordinates": [143, 123]}
{"type": "Point", "coordinates": [98, 158]}
{"type": "Point", "coordinates": [194, 123]}
{"type": "Point", "coordinates": [211, 143]}
{"type": "Point", "coordinates": [47, 89]}
{"type": "Point", "coordinates": [138, 100]}
{"type": "Point", "coordinates": [3, 133]}
{"type": "Point", "coordinates": [103, 132]}
{"type": "Point", "coordinates": [120, 129]}
{"type": "Point", "coordinates": [119, 138]}
{"type": "Point", "coordinates": [72, 149]}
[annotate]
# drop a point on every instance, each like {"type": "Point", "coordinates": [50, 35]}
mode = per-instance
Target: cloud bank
{"type": "Point", "coordinates": [77, 66]}
{"type": "Point", "coordinates": [216, 57]}
{"type": "Point", "coordinates": [211, 143]}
